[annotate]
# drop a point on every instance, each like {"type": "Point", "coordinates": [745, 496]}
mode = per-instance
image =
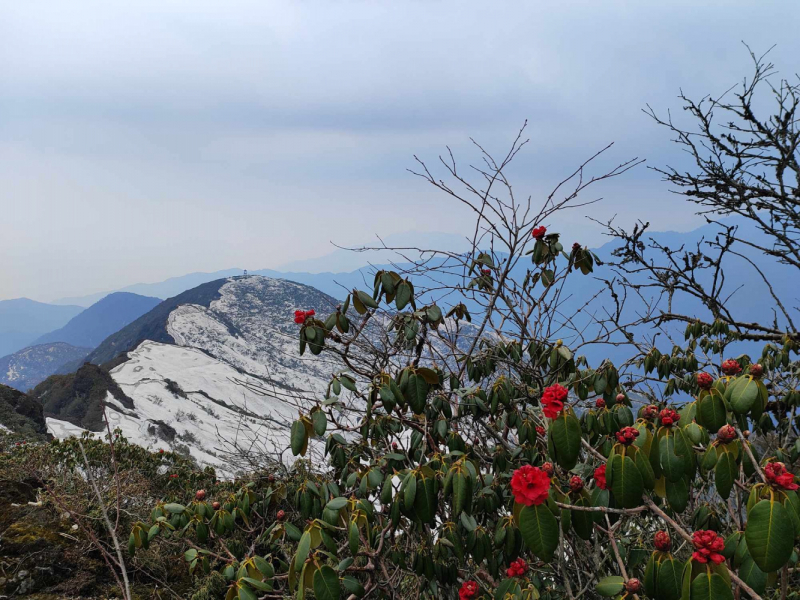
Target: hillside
{"type": "Point", "coordinates": [23, 320]}
{"type": "Point", "coordinates": [19, 413]}
{"type": "Point", "coordinates": [89, 328]}
{"type": "Point", "coordinates": [193, 371]}
{"type": "Point", "coordinates": [78, 398]}
{"type": "Point", "coordinates": [26, 368]}
{"type": "Point", "coordinates": [152, 325]}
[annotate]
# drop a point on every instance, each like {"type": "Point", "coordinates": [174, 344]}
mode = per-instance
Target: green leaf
{"type": "Point", "coordinates": [410, 492]}
{"type": "Point", "coordinates": [462, 493]}
{"type": "Point", "coordinates": [547, 277]}
{"type": "Point", "coordinates": [626, 482]}
{"type": "Point", "coordinates": [672, 465]}
{"type": "Point", "coordinates": [417, 393]}
{"type": "Point", "coordinates": [770, 535]}
{"type": "Point", "coordinates": [259, 585]}
{"type": "Point", "coordinates": [298, 438]}
{"type": "Point", "coordinates": [725, 473]}
{"type": "Point", "coordinates": [403, 295]}
{"type": "Point", "coordinates": [303, 548]}
{"type": "Point", "coordinates": [425, 500]}
{"type": "Point", "coordinates": [336, 504]}
{"type": "Point", "coordinates": [326, 584]}
{"type": "Point", "coordinates": [245, 593]}
{"type": "Point", "coordinates": [753, 576]}
{"type": "Point", "coordinates": [366, 299]}
{"type": "Point", "coordinates": [668, 584]}
{"type": "Point", "coordinates": [711, 412]}
{"type": "Point", "coordinates": [565, 433]}
{"type": "Point", "coordinates": [174, 508]}
{"type": "Point", "coordinates": [710, 586]}
{"type": "Point", "coordinates": [610, 586]}
{"type": "Point", "coordinates": [539, 529]}
{"type": "Point", "coordinates": [583, 520]}
{"type": "Point", "coordinates": [742, 393]}
{"type": "Point", "coordinates": [320, 422]}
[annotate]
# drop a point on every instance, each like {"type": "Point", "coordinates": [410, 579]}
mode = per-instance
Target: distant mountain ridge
{"type": "Point", "coordinates": [23, 320]}
{"type": "Point", "coordinates": [110, 314]}
{"type": "Point", "coordinates": [25, 368]}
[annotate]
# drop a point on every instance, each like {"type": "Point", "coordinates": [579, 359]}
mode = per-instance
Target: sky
{"type": "Point", "coordinates": [145, 140]}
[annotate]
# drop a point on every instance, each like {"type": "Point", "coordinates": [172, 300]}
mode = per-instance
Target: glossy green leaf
{"type": "Point", "coordinates": [539, 530]}
{"type": "Point", "coordinates": [770, 535]}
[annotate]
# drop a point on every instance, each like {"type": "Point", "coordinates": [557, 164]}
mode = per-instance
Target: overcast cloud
{"type": "Point", "coordinates": [144, 140]}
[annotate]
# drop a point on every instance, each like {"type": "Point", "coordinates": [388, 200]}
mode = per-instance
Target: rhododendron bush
{"type": "Point", "coordinates": [467, 448]}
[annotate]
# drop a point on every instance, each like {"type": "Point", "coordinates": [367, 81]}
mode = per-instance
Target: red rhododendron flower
{"type": "Point", "coordinates": [779, 477]}
{"type": "Point", "coordinates": [540, 431]}
{"type": "Point", "coordinates": [517, 568]}
{"type": "Point", "coordinates": [620, 398]}
{"type": "Point", "coordinates": [600, 477]}
{"type": "Point", "coordinates": [708, 546]}
{"type": "Point", "coordinates": [530, 485]}
{"type": "Point", "coordinates": [548, 468]}
{"type": "Point", "coordinates": [553, 400]}
{"type": "Point", "coordinates": [756, 370]}
{"type": "Point", "coordinates": [576, 484]}
{"type": "Point", "coordinates": [668, 417]}
{"type": "Point", "coordinates": [704, 380]}
{"type": "Point", "coordinates": [599, 403]}
{"type": "Point", "coordinates": [576, 246]}
{"type": "Point", "coordinates": [726, 434]}
{"type": "Point", "coordinates": [626, 435]}
{"type": "Point", "coordinates": [730, 367]}
{"type": "Point", "coordinates": [662, 541]}
{"type": "Point", "coordinates": [469, 589]}
{"type": "Point", "coordinates": [538, 232]}
{"type": "Point", "coordinates": [300, 316]}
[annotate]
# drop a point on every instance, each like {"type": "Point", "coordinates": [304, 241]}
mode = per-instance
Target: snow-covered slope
{"type": "Point", "coordinates": [188, 401]}
{"type": "Point", "coordinates": [250, 327]}
{"type": "Point", "coordinates": [234, 365]}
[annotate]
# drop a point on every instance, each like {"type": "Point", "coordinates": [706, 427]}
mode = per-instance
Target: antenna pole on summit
{"type": "Point", "coordinates": [245, 272]}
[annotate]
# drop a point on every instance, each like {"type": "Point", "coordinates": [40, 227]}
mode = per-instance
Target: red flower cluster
{"type": "Point", "coordinates": [173, 476]}
{"type": "Point", "coordinates": [553, 400]}
{"type": "Point", "coordinates": [576, 246]}
{"type": "Point", "coordinates": [540, 431]}
{"type": "Point", "coordinates": [486, 271]}
{"type": "Point", "coordinates": [626, 435]}
{"type": "Point", "coordinates": [517, 568]}
{"type": "Point", "coordinates": [649, 412]}
{"type": "Point", "coordinates": [726, 434]}
{"type": "Point", "coordinates": [669, 417]}
{"type": "Point", "coordinates": [300, 316]}
{"type": "Point", "coordinates": [730, 367]}
{"type": "Point", "coordinates": [756, 370]}
{"type": "Point", "coordinates": [469, 589]}
{"type": "Point", "coordinates": [600, 477]}
{"type": "Point", "coordinates": [530, 485]}
{"type": "Point", "coordinates": [599, 403]}
{"type": "Point", "coordinates": [576, 484]}
{"type": "Point", "coordinates": [620, 398]}
{"type": "Point", "coordinates": [704, 380]}
{"type": "Point", "coordinates": [548, 468]}
{"type": "Point", "coordinates": [778, 476]}
{"type": "Point", "coordinates": [708, 546]}
{"type": "Point", "coordinates": [662, 541]}
{"type": "Point", "coordinates": [538, 232]}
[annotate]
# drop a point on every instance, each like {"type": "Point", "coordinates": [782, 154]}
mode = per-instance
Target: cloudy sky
{"type": "Point", "coordinates": [143, 140]}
